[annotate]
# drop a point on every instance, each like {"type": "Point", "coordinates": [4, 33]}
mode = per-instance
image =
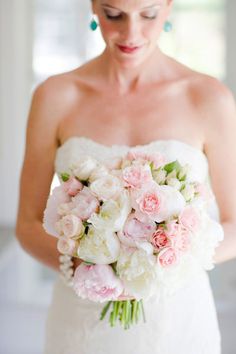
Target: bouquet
{"type": "Point", "coordinates": [140, 225]}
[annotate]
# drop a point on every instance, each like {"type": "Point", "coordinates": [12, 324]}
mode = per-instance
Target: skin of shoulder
{"type": "Point", "coordinates": [216, 105]}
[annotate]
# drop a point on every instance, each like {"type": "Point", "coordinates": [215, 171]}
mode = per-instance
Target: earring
{"type": "Point", "coordinates": [167, 26]}
{"type": "Point", "coordinates": [93, 25]}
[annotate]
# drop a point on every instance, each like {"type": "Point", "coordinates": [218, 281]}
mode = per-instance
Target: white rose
{"type": "Point", "coordinates": [188, 192]}
{"type": "Point", "coordinates": [113, 213]}
{"type": "Point", "coordinates": [159, 176]}
{"type": "Point", "coordinates": [106, 187]}
{"type": "Point", "coordinates": [174, 182]}
{"type": "Point", "coordinates": [184, 171]}
{"type": "Point", "coordinates": [99, 172]}
{"type": "Point", "coordinates": [71, 226]}
{"type": "Point", "coordinates": [99, 246]}
{"type": "Point", "coordinates": [84, 167]}
{"type": "Point", "coordinates": [137, 270]}
{"type": "Point", "coordinates": [66, 246]}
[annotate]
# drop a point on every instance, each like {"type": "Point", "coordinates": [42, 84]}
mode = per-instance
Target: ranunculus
{"type": "Point", "coordinates": [99, 246]}
{"type": "Point", "coordinates": [66, 246]}
{"type": "Point", "coordinates": [50, 218]}
{"type": "Point", "coordinates": [71, 226]}
{"type": "Point", "coordinates": [190, 218]}
{"type": "Point", "coordinates": [112, 214]}
{"type": "Point", "coordinates": [107, 187]}
{"type": "Point", "coordinates": [159, 239]}
{"type": "Point", "coordinates": [157, 203]}
{"type": "Point", "coordinates": [72, 186]}
{"type": "Point", "coordinates": [84, 167]}
{"type": "Point", "coordinates": [137, 270]}
{"type": "Point", "coordinates": [97, 283]}
{"type": "Point", "coordinates": [135, 231]}
{"type": "Point", "coordinates": [85, 204]}
{"type": "Point", "coordinates": [167, 257]}
{"type": "Point", "coordinates": [136, 175]}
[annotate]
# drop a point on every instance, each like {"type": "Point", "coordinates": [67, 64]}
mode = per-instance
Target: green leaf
{"type": "Point", "coordinates": [175, 165]}
{"type": "Point", "coordinates": [65, 176]}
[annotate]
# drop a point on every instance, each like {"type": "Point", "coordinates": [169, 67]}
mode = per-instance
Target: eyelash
{"type": "Point", "coordinates": [116, 18]}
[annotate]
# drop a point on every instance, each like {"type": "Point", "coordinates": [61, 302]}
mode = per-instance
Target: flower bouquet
{"type": "Point", "coordinates": [140, 225]}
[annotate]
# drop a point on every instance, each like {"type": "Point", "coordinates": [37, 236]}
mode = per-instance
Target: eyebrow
{"type": "Point", "coordinates": [146, 7]}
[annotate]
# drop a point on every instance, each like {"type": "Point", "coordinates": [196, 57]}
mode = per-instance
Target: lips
{"type": "Point", "coordinates": [128, 50]}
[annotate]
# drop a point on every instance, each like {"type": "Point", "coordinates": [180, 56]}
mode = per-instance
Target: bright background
{"type": "Point", "coordinates": [39, 38]}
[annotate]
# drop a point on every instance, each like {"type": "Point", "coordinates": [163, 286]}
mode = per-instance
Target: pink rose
{"type": "Point", "coordinates": [137, 175]}
{"type": "Point", "coordinates": [51, 217]}
{"type": "Point", "coordinates": [85, 204]}
{"type": "Point", "coordinates": [167, 257]}
{"type": "Point", "coordinates": [71, 226]}
{"type": "Point", "coordinates": [157, 158]}
{"type": "Point", "coordinates": [160, 239]}
{"type": "Point", "coordinates": [72, 186]}
{"type": "Point", "coordinates": [67, 246]}
{"type": "Point", "coordinates": [97, 283]}
{"type": "Point", "coordinates": [149, 203]}
{"type": "Point", "coordinates": [136, 231]}
{"type": "Point", "coordinates": [190, 218]}
{"type": "Point", "coordinates": [203, 191]}
{"type": "Point", "coordinates": [178, 235]}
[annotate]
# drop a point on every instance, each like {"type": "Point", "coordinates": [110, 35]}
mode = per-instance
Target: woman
{"type": "Point", "coordinates": [131, 95]}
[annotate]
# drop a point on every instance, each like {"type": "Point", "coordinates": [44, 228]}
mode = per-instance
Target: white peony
{"type": "Point", "coordinates": [137, 270]}
{"type": "Point", "coordinates": [99, 246]}
{"type": "Point", "coordinates": [84, 168]}
{"type": "Point", "coordinates": [204, 243]}
{"type": "Point", "coordinates": [97, 173]}
{"type": "Point", "coordinates": [107, 187]}
{"type": "Point", "coordinates": [113, 213]}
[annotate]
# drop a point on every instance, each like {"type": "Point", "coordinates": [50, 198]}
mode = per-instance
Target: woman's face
{"type": "Point", "coordinates": [131, 28]}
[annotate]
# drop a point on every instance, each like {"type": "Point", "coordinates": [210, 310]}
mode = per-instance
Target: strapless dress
{"type": "Point", "coordinates": [184, 323]}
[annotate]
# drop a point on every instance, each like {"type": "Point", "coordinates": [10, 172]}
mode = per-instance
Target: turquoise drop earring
{"type": "Point", "coordinates": [168, 26]}
{"type": "Point", "coordinates": [93, 25]}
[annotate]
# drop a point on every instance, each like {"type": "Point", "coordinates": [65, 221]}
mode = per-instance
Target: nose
{"type": "Point", "coordinates": [130, 31]}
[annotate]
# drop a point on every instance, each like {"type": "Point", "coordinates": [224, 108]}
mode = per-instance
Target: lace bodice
{"type": "Point", "coordinates": [76, 147]}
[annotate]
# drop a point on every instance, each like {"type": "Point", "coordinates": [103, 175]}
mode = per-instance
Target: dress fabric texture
{"type": "Point", "coordinates": [183, 323]}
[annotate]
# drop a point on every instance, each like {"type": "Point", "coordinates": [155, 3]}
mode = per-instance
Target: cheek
{"type": "Point", "coordinates": [107, 28]}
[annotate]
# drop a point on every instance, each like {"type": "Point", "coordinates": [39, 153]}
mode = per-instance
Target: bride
{"type": "Point", "coordinates": [132, 95]}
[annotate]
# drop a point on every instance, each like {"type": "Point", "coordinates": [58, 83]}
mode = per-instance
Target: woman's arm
{"type": "Point", "coordinates": [48, 107]}
{"type": "Point", "coordinates": [220, 147]}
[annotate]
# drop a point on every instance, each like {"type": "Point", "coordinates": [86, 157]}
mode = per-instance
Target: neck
{"type": "Point", "coordinates": [126, 78]}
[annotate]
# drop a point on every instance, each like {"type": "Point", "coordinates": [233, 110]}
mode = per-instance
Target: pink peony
{"type": "Point", "coordinates": [136, 231]}
{"type": "Point", "coordinates": [72, 186]}
{"type": "Point", "coordinates": [97, 283]}
{"type": "Point", "coordinates": [159, 239]}
{"type": "Point", "coordinates": [178, 235]}
{"type": "Point", "coordinates": [190, 218]}
{"type": "Point", "coordinates": [51, 217]}
{"type": "Point", "coordinates": [85, 204]}
{"type": "Point", "coordinates": [167, 257]}
{"type": "Point", "coordinates": [137, 175]}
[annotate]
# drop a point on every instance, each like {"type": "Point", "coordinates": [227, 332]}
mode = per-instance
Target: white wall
{"type": "Point", "coordinates": [15, 82]}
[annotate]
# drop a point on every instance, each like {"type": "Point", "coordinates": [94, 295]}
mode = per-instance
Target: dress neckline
{"type": "Point", "coordinates": [125, 146]}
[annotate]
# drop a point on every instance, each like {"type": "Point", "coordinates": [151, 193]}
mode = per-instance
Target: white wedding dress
{"type": "Point", "coordinates": [184, 323]}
